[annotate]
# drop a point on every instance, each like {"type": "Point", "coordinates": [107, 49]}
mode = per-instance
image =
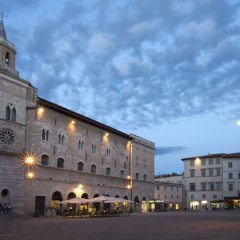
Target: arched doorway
{"type": "Point", "coordinates": [136, 204]}
{"type": "Point", "coordinates": [71, 195]}
{"type": "Point", "coordinates": [56, 198]}
{"type": "Point", "coordinates": [107, 206]}
{"type": "Point", "coordinates": [144, 204]}
{"type": "Point", "coordinates": [96, 205]}
{"type": "Point", "coordinates": [84, 207]}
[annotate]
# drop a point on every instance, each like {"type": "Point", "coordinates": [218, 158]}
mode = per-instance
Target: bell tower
{"type": "Point", "coordinates": [7, 52]}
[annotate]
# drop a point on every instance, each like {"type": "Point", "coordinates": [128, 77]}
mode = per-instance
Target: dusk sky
{"type": "Point", "coordinates": [166, 70]}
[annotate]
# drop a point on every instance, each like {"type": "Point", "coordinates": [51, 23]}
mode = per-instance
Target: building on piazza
{"type": "Point", "coordinates": [49, 153]}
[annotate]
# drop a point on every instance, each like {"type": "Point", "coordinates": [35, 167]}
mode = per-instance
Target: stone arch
{"type": "Point", "coordinates": [136, 204]}
{"type": "Point", "coordinates": [57, 196]}
{"type": "Point", "coordinates": [71, 195]}
{"type": "Point", "coordinates": [84, 195]}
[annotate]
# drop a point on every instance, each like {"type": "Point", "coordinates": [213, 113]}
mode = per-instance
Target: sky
{"type": "Point", "coordinates": [166, 70]}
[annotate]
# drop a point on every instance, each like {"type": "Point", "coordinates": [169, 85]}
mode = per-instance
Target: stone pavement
{"type": "Point", "coordinates": [222, 225]}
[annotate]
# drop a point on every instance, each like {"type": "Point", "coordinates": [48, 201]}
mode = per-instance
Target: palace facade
{"type": "Point", "coordinates": [49, 153]}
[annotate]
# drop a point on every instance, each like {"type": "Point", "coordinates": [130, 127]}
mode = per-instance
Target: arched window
{"type": "Point", "coordinates": [84, 195]}
{"type": "Point", "coordinates": [121, 173]}
{"type": "Point", "coordinates": [108, 171]}
{"type": "Point", "coordinates": [80, 166]}
{"type": "Point", "coordinates": [57, 196]}
{"type": "Point", "coordinates": [45, 159]}
{"type": "Point", "coordinates": [11, 113]}
{"type": "Point", "coordinates": [8, 113]}
{"type": "Point", "coordinates": [136, 176]}
{"type": "Point", "coordinates": [71, 195]}
{"type": "Point", "coordinates": [93, 168]}
{"type": "Point", "coordinates": [63, 139]}
{"type": "Point", "coordinates": [144, 177]}
{"type": "Point", "coordinates": [60, 163]}
{"type": "Point", "coordinates": [59, 139]}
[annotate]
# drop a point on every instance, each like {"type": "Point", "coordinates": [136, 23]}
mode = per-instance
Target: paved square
{"type": "Point", "coordinates": [167, 225]}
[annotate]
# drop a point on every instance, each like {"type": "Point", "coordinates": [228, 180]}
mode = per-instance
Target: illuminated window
{"type": "Point", "coordinates": [44, 159]}
{"type": "Point", "coordinates": [60, 163]}
{"type": "Point", "coordinates": [93, 168]}
{"type": "Point", "coordinates": [80, 166]}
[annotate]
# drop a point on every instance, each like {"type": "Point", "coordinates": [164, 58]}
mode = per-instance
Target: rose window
{"type": "Point", "coordinates": [7, 137]}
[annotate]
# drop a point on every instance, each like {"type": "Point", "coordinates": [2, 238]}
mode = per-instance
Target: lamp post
{"type": "Point", "coordinates": [130, 187]}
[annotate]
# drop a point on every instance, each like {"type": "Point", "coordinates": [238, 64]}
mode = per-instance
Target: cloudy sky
{"type": "Point", "coordinates": [167, 70]}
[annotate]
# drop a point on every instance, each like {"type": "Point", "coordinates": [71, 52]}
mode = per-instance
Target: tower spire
{"type": "Point", "coordinates": [2, 29]}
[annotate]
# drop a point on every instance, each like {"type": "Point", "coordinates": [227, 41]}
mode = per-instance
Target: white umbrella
{"type": "Point", "coordinates": [76, 200]}
{"type": "Point", "coordinates": [101, 199]}
{"type": "Point", "coordinates": [118, 200]}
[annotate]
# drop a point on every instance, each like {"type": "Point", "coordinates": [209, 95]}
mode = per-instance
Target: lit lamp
{"type": "Point", "coordinates": [29, 160]}
{"type": "Point", "coordinates": [130, 187]}
{"type": "Point", "coordinates": [30, 175]}
{"type": "Point", "coordinates": [40, 112]}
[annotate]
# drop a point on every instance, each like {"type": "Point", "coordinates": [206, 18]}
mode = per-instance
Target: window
{"type": "Point", "coordinates": [80, 144]}
{"type": "Point", "coordinates": [203, 172]}
{"type": "Point", "coordinates": [122, 156]}
{"type": "Point", "coordinates": [60, 163]}
{"type": "Point", "coordinates": [211, 186]}
{"type": "Point", "coordinates": [203, 196]}
{"type": "Point", "coordinates": [121, 173]}
{"type": "Point", "coordinates": [108, 152]}
{"type": "Point", "coordinates": [94, 148]}
{"type": "Point", "coordinates": [45, 135]}
{"type": "Point", "coordinates": [230, 187]}
{"type": "Point", "coordinates": [203, 162]}
{"type": "Point", "coordinates": [165, 196]}
{"type": "Point", "coordinates": [214, 196]}
{"type": "Point", "coordinates": [218, 186]}
{"type": "Point", "coordinates": [218, 161]}
{"type": "Point", "coordinates": [210, 161]}
{"type": "Point", "coordinates": [145, 162]}
{"type": "Point", "coordinates": [144, 177]}
{"type": "Point", "coordinates": [192, 196]}
{"type": "Point", "coordinates": [238, 175]}
{"type": "Point", "coordinates": [165, 188]}
{"type": "Point", "coordinates": [108, 171]}
{"type": "Point", "coordinates": [171, 188]}
{"type": "Point", "coordinates": [192, 172]}
{"type": "Point", "coordinates": [93, 168]}
{"type": "Point", "coordinates": [137, 161]}
{"type": "Point", "coordinates": [136, 176]}
{"type": "Point", "coordinates": [44, 159]}
{"type": "Point", "coordinates": [191, 162]}
{"type": "Point", "coordinates": [230, 176]}
{"type": "Point", "coordinates": [203, 186]}
{"type": "Point", "coordinates": [210, 172]}
{"type": "Point", "coordinates": [158, 187]}
{"type": "Point", "coordinates": [230, 164]}
{"type": "Point", "coordinates": [177, 196]}
{"type": "Point", "coordinates": [218, 171]}
{"type": "Point", "coordinates": [7, 58]}
{"type": "Point", "coordinates": [80, 166]}
{"type": "Point", "coordinates": [192, 187]}
{"type": "Point", "coordinates": [11, 113]}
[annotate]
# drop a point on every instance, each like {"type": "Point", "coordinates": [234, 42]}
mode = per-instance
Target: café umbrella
{"type": "Point", "coordinates": [76, 200]}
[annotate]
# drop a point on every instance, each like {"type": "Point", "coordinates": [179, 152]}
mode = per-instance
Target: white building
{"type": "Point", "coordinates": [212, 181]}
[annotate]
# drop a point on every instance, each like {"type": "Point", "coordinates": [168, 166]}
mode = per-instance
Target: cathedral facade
{"type": "Point", "coordinates": [49, 153]}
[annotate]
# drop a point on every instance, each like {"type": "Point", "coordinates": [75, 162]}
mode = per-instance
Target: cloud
{"type": "Point", "coordinates": [143, 62]}
{"type": "Point", "coordinates": [169, 150]}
